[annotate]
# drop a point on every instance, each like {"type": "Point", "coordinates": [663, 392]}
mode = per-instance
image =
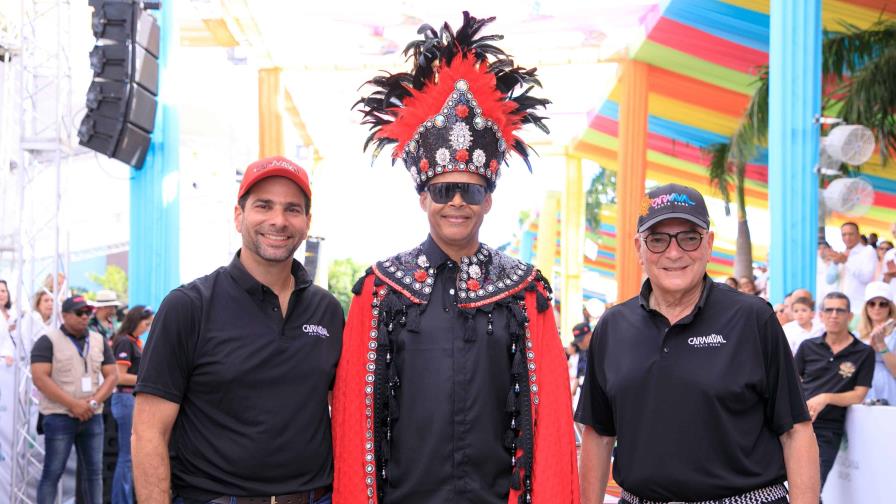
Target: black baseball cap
{"type": "Point", "coordinates": [74, 304]}
{"type": "Point", "coordinates": [673, 201]}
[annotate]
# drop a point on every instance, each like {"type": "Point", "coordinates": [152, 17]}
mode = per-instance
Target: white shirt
{"type": "Point", "coordinates": [889, 258]}
{"type": "Point", "coordinates": [7, 346]}
{"type": "Point", "coordinates": [796, 334]}
{"type": "Point", "coordinates": [826, 277]}
{"type": "Point", "coordinates": [856, 273]}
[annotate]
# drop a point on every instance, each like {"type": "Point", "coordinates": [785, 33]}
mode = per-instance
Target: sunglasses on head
{"type": "Point", "coordinates": [879, 303]}
{"type": "Point", "coordinates": [443, 192]}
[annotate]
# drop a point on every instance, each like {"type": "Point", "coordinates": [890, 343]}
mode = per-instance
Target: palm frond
{"type": "Point", "coordinates": [719, 170]}
{"type": "Point", "coordinates": [753, 129]}
{"type": "Point", "coordinates": [843, 53]}
{"type": "Point", "coordinates": [870, 99]}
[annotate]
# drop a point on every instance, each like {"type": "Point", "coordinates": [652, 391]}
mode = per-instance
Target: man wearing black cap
{"type": "Point", "coordinates": [694, 381]}
{"type": "Point", "coordinates": [453, 387]}
{"type": "Point", "coordinates": [66, 365]}
{"type": "Point", "coordinates": [239, 363]}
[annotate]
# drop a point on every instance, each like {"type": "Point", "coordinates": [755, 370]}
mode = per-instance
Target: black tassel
{"type": "Point", "coordinates": [513, 403]}
{"type": "Point", "coordinates": [519, 364]}
{"type": "Point", "coordinates": [541, 302]}
{"type": "Point", "coordinates": [356, 289]}
{"type": "Point", "coordinates": [509, 439]}
{"type": "Point", "coordinates": [515, 479]}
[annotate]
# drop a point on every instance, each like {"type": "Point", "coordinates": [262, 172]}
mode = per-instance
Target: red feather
{"type": "Point", "coordinates": [422, 105]}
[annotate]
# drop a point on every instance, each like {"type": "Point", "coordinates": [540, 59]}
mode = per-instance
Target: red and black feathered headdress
{"type": "Point", "coordinates": [456, 110]}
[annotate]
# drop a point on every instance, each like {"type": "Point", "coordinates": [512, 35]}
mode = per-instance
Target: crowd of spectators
{"type": "Point", "coordinates": [69, 405]}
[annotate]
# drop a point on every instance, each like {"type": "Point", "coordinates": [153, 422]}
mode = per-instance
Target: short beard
{"type": "Point", "coordinates": [282, 255]}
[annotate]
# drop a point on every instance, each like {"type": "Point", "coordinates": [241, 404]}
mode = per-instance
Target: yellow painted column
{"type": "Point", "coordinates": [631, 175]}
{"type": "Point", "coordinates": [546, 242]}
{"type": "Point", "coordinates": [270, 118]}
{"type": "Point", "coordinates": [572, 244]}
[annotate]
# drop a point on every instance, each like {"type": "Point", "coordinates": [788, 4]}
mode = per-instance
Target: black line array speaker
{"type": "Point", "coordinates": [121, 100]}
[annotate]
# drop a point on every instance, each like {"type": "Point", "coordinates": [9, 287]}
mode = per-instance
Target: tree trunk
{"type": "Point", "coordinates": [743, 255]}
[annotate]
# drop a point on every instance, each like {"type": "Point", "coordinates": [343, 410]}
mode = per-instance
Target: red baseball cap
{"type": "Point", "coordinates": [274, 166]}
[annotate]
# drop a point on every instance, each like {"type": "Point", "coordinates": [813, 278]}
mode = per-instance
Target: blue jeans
{"type": "Point", "coordinates": [123, 479]}
{"type": "Point", "coordinates": [60, 433]}
{"type": "Point", "coordinates": [326, 499]}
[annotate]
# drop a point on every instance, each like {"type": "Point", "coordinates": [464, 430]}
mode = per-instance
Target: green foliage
{"type": "Point", "coordinates": [602, 191]}
{"type": "Point", "coordinates": [724, 173]}
{"type": "Point", "coordinates": [343, 275]}
{"type": "Point", "coordinates": [115, 279]}
{"type": "Point", "coordinates": [753, 128]}
{"type": "Point", "coordinates": [864, 64]}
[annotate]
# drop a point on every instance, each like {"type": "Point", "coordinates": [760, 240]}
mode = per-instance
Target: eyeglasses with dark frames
{"type": "Point", "coordinates": [688, 241]}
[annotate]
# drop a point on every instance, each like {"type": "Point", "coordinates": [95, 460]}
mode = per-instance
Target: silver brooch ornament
{"type": "Point", "coordinates": [460, 136]}
{"type": "Point", "coordinates": [443, 156]}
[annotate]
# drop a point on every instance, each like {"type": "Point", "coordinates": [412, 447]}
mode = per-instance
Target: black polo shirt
{"type": "Point", "coordinates": [697, 407]}
{"type": "Point", "coordinates": [252, 385]}
{"type": "Point", "coordinates": [822, 371]}
{"type": "Point", "coordinates": [128, 351]}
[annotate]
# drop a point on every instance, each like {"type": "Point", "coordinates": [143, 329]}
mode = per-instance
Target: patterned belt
{"type": "Point", "coordinates": [296, 498]}
{"type": "Point", "coordinates": [769, 495]}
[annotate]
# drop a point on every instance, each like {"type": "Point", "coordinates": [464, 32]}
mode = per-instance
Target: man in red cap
{"type": "Point", "coordinates": [452, 387]}
{"type": "Point", "coordinates": [239, 363]}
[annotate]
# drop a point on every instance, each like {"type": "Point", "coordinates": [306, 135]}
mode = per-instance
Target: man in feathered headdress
{"type": "Point", "coordinates": [452, 386]}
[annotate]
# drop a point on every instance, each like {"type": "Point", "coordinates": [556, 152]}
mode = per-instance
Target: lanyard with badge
{"type": "Point", "coordinates": [84, 352]}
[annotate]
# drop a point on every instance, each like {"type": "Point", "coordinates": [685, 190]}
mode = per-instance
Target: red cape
{"type": "Point", "coordinates": [554, 470]}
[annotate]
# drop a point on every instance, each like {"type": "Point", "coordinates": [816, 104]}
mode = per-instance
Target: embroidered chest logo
{"type": "Point", "coordinates": [847, 369]}
{"type": "Point", "coordinates": [315, 330]}
{"type": "Point", "coordinates": [713, 340]}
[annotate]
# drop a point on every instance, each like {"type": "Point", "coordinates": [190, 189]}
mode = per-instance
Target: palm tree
{"type": "Point", "coordinates": [862, 63]}
{"type": "Point", "coordinates": [725, 174]}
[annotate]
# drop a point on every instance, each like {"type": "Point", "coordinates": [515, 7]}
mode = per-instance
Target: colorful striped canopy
{"type": "Point", "coordinates": [703, 56]}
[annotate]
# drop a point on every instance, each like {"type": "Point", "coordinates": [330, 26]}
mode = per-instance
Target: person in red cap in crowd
{"type": "Point", "coordinates": [452, 386]}
{"type": "Point", "coordinates": [66, 366]}
{"type": "Point", "coordinates": [239, 363]}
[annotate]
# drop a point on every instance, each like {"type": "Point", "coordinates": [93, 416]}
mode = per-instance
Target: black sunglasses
{"type": "Point", "coordinates": [840, 311]}
{"type": "Point", "coordinates": [688, 241]}
{"type": "Point", "coordinates": [881, 303]}
{"type": "Point", "coordinates": [443, 192]}
{"type": "Point", "coordinates": [83, 311]}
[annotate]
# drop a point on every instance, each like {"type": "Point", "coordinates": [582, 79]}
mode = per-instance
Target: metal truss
{"type": "Point", "coordinates": [42, 69]}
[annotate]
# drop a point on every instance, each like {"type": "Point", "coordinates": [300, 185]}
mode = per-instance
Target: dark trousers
{"type": "Point", "coordinates": [828, 446]}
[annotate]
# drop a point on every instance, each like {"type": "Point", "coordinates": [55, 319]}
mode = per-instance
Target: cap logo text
{"type": "Point", "coordinates": [671, 199]}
